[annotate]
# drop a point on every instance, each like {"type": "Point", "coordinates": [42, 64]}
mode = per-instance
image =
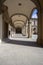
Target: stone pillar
{"type": "Point", "coordinates": [29, 30]}
{"type": "Point", "coordinates": [5, 14]}
{"type": "Point", "coordinates": [4, 28]}
{"type": "Point", "coordinates": [40, 28]}
{"type": "Point", "coordinates": [0, 28]}
{"type": "Point", "coordinates": [24, 30]}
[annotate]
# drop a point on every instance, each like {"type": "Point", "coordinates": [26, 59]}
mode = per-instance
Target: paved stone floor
{"type": "Point", "coordinates": [12, 54]}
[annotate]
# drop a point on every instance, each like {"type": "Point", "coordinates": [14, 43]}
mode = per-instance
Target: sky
{"type": "Point", "coordinates": [34, 14]}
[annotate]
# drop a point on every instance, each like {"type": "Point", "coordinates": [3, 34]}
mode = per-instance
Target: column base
{"type": "Point", "coordinates": [40, 42]}
{"type": "Point", "coordinates": [29, 36]}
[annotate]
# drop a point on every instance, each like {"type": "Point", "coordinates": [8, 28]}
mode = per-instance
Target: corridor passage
{"type": "Point", "coordinates": [20, 37]}
{"type": "Point", "coordinates": [12, 54]}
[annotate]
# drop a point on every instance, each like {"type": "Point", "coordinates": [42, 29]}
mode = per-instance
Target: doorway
{"type": "Point", "coordinates": [18, 30]}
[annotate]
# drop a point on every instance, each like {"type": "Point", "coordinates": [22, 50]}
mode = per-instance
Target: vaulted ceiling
{"type": "Point", "coordinates": [20, 6]}
{"type": "Point", "coordinates": [40, 2]}
{"type": "Point", "coordinates": [19, 20]}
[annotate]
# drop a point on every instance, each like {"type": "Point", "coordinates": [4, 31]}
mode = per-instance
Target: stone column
{"type": "Point", "coordinates": [29, 30]}
{"type": "Point", "coordinates": [5, 14]}
{"type": "Point", "coordinates": [40, 28]}
{"type": "Point", "coordinates": [14, 31]}
{"type": "Point", "coordinates": [24, 30]}
{"type": "Point", "coordinates": [0, 28]}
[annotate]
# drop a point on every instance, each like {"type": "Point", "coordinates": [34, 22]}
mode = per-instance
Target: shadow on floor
{"type": "Point", "coordinates": [25, 43]}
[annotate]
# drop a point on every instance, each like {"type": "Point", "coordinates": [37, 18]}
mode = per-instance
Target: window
{"type": "Point", "coordinates": [34, 14]}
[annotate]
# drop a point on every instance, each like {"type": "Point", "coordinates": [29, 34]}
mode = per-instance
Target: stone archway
{"type": "Point", "coordinates": [40, 18]}
{"type": "Point", "coordinates": [40, 22]}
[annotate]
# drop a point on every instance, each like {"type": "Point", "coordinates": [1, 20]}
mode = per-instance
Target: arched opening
{"type": "Point", "coordinates": [34, 13]}
{"type": "Point", "coordinates": [27, 28]}
{"type": "Point", "coordinates": [22, 19]}
{"type": "Point", "coordinates": [34, 16]}
{"type": "Point", "coordinates": [18, 30]}
{"type": "Point", "coordinates": [34, 23]}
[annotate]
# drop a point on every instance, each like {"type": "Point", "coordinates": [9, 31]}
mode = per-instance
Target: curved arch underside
{"type": "Point", "coordinates": [19, 20]}
{"type": "Point", "coordinates": [25, 8]}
